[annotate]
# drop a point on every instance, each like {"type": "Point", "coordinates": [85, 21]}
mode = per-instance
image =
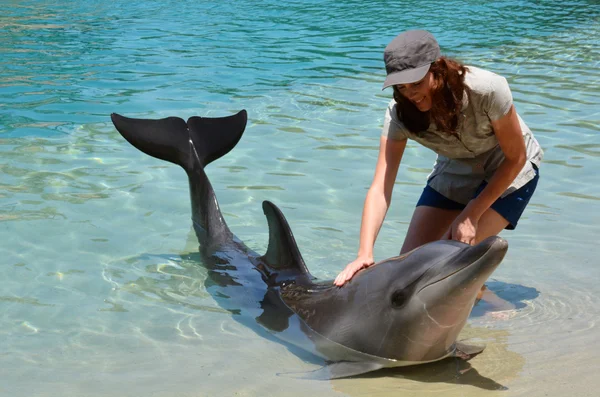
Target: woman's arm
{"type": "Point", "coordinates": [510, 137]}
{"type": "Point", "coordinates": [376, 205]}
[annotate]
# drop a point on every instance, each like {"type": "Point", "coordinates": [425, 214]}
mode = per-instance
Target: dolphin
{"type": "Point", "coordinates": [404, 310]}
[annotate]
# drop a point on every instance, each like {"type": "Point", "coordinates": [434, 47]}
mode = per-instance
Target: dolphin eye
{"type": "Point", "coordinates": [398, 298]}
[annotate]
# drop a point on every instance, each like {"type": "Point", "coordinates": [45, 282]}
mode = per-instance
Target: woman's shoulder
{"type": "Point", "coordinates": [483, 81]}
{"type": "Point", "coordinates": [393, 127]}
{"type": "Point", "coordinates": [489, 92]}
{"type": "Point", "coordinates": [390, 111]}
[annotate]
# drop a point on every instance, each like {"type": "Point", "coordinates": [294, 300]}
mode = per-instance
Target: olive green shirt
{"type": "Point", "coordinates": [471, 156]}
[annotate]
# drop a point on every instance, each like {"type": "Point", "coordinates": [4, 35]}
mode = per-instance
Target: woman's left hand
{"type": "Point", "coordinates": [464, 228]}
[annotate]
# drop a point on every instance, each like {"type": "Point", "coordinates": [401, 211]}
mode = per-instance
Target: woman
{"type": "Point", "coordinates": [488, 159]}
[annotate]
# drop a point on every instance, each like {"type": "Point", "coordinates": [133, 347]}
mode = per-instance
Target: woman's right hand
{"type": "Point", "coordinates": [360, 262]}
{"type": "Point", "coordinates": [376, 205]}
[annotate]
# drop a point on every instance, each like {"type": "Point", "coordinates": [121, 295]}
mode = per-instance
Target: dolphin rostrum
{"type": "Point", "coordinates": [402, 311]}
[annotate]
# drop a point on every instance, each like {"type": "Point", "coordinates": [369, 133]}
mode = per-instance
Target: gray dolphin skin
{"type": "Point", "coordinates": [405, 310]}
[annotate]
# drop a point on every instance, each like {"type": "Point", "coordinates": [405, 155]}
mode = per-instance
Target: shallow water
{"type": "Point", "coordinates": [101, 292]}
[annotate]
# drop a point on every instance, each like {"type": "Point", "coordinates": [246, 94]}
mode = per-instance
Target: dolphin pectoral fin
{"type": "Point", "coordinates": [282, 254]}
{"type": "Point", "coordinates": [466, 352]}
{"type": "Point", "coordinates": [344, 369]}
{"type": "Point", "coordinates": [339, 369]}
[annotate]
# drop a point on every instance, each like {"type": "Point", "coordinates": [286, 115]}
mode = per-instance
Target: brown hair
{"type": "Point", "coordinates": [447, 96]}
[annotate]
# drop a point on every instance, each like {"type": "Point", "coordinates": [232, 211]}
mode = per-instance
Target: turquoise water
{"type": "Point", "coordinates": [100, 295]}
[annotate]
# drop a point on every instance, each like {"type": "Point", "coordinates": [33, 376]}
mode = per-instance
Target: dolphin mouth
{"type": "Point", "coordinates": [485, 256]}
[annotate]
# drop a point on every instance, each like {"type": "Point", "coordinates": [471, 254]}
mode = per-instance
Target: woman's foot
{"type": "Point", "coordinates": [495, 303]}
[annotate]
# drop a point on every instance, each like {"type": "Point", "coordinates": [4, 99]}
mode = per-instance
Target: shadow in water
{"type": "Point", "coordinates": [186, 280]}
{"type": "Point", "coordinates": [451, 370]}
{"type": "Point", "coordinates": [501, 296]}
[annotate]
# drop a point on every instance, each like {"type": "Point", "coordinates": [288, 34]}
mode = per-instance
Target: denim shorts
{"type": "Point", "coordinates": [510, 207]}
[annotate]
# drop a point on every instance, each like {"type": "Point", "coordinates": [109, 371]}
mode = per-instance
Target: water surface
{"type": "Point", "coordinates": [101, 292]}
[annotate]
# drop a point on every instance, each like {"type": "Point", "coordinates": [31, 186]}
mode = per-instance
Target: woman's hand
{"type": "Point", "coordinates": [360, 262]}
{"type": "Point", "coordinates": [464, 228]}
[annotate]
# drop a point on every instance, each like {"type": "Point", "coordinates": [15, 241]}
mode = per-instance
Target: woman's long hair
{"type": "Point", "coordinates": [447, 97]}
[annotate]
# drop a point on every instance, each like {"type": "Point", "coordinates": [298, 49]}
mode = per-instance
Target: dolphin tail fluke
{"type": "Point", "coordinates": [191, 145]}
{"type": "Point", "coordinates": [198, 142]}
{"type": "Point", "coordinates": [215, 137]}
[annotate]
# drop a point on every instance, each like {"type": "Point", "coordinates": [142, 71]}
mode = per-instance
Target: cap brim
{"type": "Point", "coordinates": [406, 76]}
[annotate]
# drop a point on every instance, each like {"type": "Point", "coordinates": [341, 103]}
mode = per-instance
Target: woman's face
{"type": "Point", "coordinates": [419, 92]}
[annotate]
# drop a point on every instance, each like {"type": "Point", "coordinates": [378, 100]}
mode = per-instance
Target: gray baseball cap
{"type": "Point", "coordinates": [409, 56]}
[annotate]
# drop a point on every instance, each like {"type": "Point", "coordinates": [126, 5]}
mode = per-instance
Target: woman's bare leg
{"type": "Point", "coordinates": [427, 224]}
{"type": "Point", "coordinates": [491, 223]}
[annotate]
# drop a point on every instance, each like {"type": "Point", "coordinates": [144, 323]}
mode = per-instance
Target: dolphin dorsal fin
{"type": "Point", "coordinates": [282, 254]}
